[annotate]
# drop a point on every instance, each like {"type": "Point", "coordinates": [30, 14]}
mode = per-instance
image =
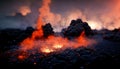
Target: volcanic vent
{"type": "Point", "coordinates": [46, 40]}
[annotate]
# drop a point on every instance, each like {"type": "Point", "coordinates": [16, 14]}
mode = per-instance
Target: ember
{"type": "Point", "coordinates": [21, 57]}
{"type": "Point", "coordinates": [57, 46]}
{"type": "Point", "coordinates": [46, 50]}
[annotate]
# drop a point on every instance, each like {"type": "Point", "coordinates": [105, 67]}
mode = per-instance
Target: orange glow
{"type": "Point", "coordinates": [57, 46]}
{"type": "Point", "coordinates": [21, 57]}
{"type": "Point", "coordinates": [46, 50]}
{"type": "Point", "coordinates": [82, 39]}
{"type": "Point", "coordinates": [95, 25]}
{"type": "Point", "coordinates": [27, 44]}
{"type": "Point", "coordinates": [55, 43]}
{"type": "Point", "coordinates": [34, 63]}
{"type": "Point", "coordinates": [24, 10]}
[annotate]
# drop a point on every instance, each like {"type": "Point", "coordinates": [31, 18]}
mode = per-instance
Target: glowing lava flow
{"type": "Point", "coordinates": [57, 46]}
{"type": "Point", "coordinates": [46, 50]}
{"type": "Point", "coordinates": [49, 50]}
{"type": "Point", "coordinates": [54, 44]}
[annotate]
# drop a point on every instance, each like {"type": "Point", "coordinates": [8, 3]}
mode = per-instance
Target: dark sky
{"type": "Point", "coordinates": [56, 5]}
{"type": "Point", "coordinates": [99, 13]}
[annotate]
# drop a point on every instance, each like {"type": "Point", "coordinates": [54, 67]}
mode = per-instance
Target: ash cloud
{"type": "Point", "coordinates": [18, 13]}
{"type": "Point", "coordinates": [98, 13]}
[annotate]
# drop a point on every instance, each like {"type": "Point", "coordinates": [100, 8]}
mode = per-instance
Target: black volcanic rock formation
{"type": "Point", "coordinates": [87, 29]}
{"type": "Point", "coordinates": [9, 37]}
{"type": "Point", "coordinates": [47, 30]}
{"type": "Point", "coordinates": [76, 28]}
{"type": "Point", "coordinates": [113, 35]}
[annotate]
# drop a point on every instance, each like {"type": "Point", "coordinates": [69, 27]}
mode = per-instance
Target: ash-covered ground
{"type": "Point", "coordinates": [102, 55]}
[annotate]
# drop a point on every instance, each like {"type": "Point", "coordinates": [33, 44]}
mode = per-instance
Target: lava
{"type": "Point", "coordinates": [46, 50]}
{"type": "Point", "coordinates": [21, 57]}
{"type": "Point", "coordinates": [57, 46]}
{"type": "Point", "coordinates": [54, 43]}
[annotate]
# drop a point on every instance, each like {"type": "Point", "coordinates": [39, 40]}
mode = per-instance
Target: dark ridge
{"type": "Point", "coordinates": [76, 28]}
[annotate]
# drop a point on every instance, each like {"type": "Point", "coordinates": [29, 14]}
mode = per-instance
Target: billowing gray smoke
{"type": "Point", "coordinates": [98, 13]}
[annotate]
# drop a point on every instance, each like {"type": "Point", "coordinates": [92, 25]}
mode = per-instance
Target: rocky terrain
{"type": "Point", "coordinates": [104, 55]}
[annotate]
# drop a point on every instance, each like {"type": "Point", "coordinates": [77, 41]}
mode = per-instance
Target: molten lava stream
{"type": "Point", "coordinates": [46, 50]}
{"type": "Point", "coordinates": [53, 43]}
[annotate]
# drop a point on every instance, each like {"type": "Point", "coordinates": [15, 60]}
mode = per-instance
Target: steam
{"type": "Point", "coordinates": [111, 20]}
{"type": "Point", "coordinates": [47, 16]}
{"type": "Point", "coordinates": [60, 13]}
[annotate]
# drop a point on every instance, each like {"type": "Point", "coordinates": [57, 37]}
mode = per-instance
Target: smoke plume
{"type": "Point", "coordinates": [60, 13]}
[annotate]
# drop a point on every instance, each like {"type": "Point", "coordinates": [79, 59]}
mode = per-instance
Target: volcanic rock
{"type": "Point", "coordinates": [10, 37]}
{"type": "Point", "coordinates": [47, 30]}
{"type": "Point", "coordinates": [113, 35]}
{"type": "Point", "coordinates": [87, 29]}
{"type": "Point", "coordinates": [76, 28]}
